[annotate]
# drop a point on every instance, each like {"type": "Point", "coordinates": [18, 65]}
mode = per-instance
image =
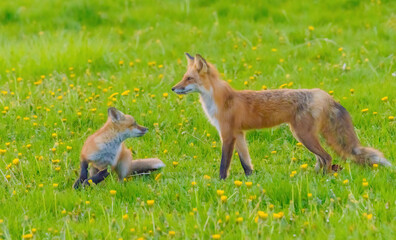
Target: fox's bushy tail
{"type": "Point", "coordinates": [145, 165]}
{"type": "Point", "coordinates": [339, 133]}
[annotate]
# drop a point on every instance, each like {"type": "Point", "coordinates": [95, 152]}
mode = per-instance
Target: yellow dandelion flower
{"type": "Point", "coordinates": [345, 182]}
{"type": "Point", "coordinates": [150, 203]}
{"type": "Point", "coordinates": [311, 28]}
{"type": "Point", "coordinates": [55, 185]}
{"type": "Point", "coordinates": [207, 177]}
{"type": "Point", "coordinates": [223, 198]}
{"type": "Point", "coordinates": [193, 184]}
{"type": "Point", "coordinates": [125, 217]}
{"type": "Point", "coordinates": [113, 192]}
{"type": "Point", "coordinates": [27, 236]}
{"type": "Point", "coordinates": [384, 99]}
{"type": "Point", "coordinates": [15, 161]}
{"type": "Point", "coordinates": [239, 219]}
{"type": "Point", "coordinates": [125, 93]}
{"type": "Point", "coordinates": [220, 192]}
{"type": "Point", "coordinates": [391, 118]}
{"type": "Point", "coordinates": [248, 184]}
{"type": "Point", "coordinates": [157, 177]}
{"type": "Point", "coordinates": [262, 215]}
{"type": "Point", "coordinates": [304, 166]}
{"type": "Point", "coordinates": [278, 215]}
{"type": "Point", "coordinates": [364, 110]}
{"type": "Point", "coordinates": [216, 236]}
{"type": "Point", "coordinates": [309, 195]}
{"type": "Point", "coordinates": [175, 163]}
{"type": "Point", "coordinates": [172, 233]}
{"type": "Point", "coordinates": [238, 183]}
{"type": "Point", "coordinates": [165, 95]}
{"type": "Point", "coordinates": [365, 184]}
{"type": "Point", "coordinates": [375, 166]}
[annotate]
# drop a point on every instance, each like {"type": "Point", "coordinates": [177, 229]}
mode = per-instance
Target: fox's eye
{"type": "Point", "coordinates": [189, 78]}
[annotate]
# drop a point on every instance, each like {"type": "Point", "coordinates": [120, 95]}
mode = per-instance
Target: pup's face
{"type": "Point", "coordinates": [195, 79]}
{"type": "Point", "coordinates": [126, 124]}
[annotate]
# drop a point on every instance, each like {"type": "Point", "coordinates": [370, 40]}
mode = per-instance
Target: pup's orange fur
{"type": "Point", "coordinates": [106, 148]}
{"type": "Point", "coordinates": [307, 111]}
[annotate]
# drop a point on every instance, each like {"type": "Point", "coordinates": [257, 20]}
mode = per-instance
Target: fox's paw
{"type": "Point", "coordinates": [77, 183]}
{"type": "Point", "coordinates": [336, 167]}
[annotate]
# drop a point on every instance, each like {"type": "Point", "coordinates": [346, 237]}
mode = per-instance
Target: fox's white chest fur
{"type": "Point", "coordinates": [210, 108]}
{"type": "Point", "coordinates": [107, 154]}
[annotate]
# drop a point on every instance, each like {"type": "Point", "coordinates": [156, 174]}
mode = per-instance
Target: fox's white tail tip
{"type": "Point", "coordinates": [159, 165]}
{"type": "Point", "coordinates": [384, 162]}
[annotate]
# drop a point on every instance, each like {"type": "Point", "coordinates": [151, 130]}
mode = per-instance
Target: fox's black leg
{"type": "Point", "coordinates": [83, 174]}
{"type": "Point", "coordinates": [97, 178]}
{"type": "Point", "coordinates": [243, 153]}
{"type": "Point", "coordinates": [226, 155]}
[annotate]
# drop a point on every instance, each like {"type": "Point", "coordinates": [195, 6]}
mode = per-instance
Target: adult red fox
{"type": "Point", "coordinates": [309, 112]}
{"type": "Point", "coordinates": [106, 148]}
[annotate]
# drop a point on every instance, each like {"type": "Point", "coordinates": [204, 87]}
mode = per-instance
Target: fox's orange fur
{"type": "Point", "coordinates": [309, 112]}
{"type": "Point", "coordinates": [106, 148]}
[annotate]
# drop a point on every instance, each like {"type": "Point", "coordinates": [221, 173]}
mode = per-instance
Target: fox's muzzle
{"type": "Point", "coordinates": [180, 90]}
{"type": "Point", "coordinates": [143, 130]}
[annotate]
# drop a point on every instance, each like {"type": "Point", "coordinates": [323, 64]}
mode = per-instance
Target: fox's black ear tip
{"type": "Point", "coordinates": [189, 56]}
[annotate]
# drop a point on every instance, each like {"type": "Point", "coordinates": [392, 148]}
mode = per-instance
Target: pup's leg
{"type": "Point", "coordinates": [97, 178]}
{"type": "Point", "coordinates": [83, 174]}
{"type": "Point", "coordinates": [226, 155]}
{"type": "Point", "coordinates": [243, 153]}
{"type": "Point", "coordinates": [306, 132]}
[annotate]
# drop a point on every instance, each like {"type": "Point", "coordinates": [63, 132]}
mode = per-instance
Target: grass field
{"type": "Point", "coordinates": [62, 63]}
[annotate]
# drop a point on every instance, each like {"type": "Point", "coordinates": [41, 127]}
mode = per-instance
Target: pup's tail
{"type": "Point", "coordinates": [340, 135]}
{"type": "Point", "coordinates": [145, 165]}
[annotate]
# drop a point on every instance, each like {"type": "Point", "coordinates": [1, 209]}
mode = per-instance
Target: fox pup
{"type": "Point", "coordinates": [106, 148]}
{"type": "Point", "coordinates": [309, 112]}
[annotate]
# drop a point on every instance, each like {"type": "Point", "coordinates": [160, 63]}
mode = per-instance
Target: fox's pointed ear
{"type": "Point", "coordinates": [115, 114]}
{"type": "Point", "coordinates": [190, 59]}
{"type": "Point", "coordinates": [200, 64]}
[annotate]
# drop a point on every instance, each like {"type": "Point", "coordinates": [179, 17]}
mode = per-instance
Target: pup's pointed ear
{"type": "Point", "coordinates": [190, 59]}
{"type": "Point", "coordinates": [200, 64]}
{"type": "Point", "coordinates": [115, 115]}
